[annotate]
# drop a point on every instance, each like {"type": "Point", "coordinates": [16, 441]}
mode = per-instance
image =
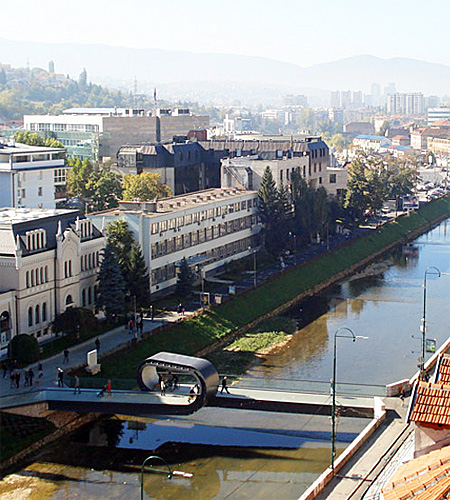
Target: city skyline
{"type": "Point", "coordinates": [293, 31]}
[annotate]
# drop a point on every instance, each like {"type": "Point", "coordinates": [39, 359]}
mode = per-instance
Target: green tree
{"type": "Point", "coordinates": [137, 277]}
{"type": "Point", "coordinates": [75, 321]}
{"type": "Point", "coordinates": [272, 209]}
{"type": "Point", "coordinates": [105, 189]}
{"type": "Point", "coordinates": [111, 286]}
{"type": "Point", "coordinates": [34, 139]}
{"type": "Point", "coordinates": [120, 240]}
{"type": "Point", "coordinates": [185, 280]}
{"type": "Point", "coordinates": [24, 348]}
{"type": "Point", "coordinates": [146, 186]}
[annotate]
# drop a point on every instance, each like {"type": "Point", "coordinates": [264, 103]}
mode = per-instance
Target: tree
{"type": "Point", "coordinates": [34, 139]}
{"type": "Point", "coordinates": [24, 348]}
{"type": "Point", "coordinates": [144, 187]}
{"type": "Point", "coordinates": [272, 211]}
{"type": "Point", "coordinates": [75, 321]}
{"type": "Point", "coordinates": [105, 189]}
{"type": "Point", "coordinates": [2, 77]}
{"type": "Point", "coordinates": [185, 279]}
{"type": "Point", "coordinates": [111, 286]}
{"type": "Point", "coordinates": [137, 277]}
{"type": "Point", "coordinates": [120, 240]}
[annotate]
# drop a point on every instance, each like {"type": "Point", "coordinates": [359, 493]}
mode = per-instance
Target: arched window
{"type": "Point", "coordinates": [83, 297]}
{"type": "Point", "coordinates": [98, 259]}
{"type": "Point", "coordinates": [81, 263]}
{"type": "Point", "coordinates": [90, 261]}
{"type": "Point", "coordinates": [65, 269]}
{"type": "Point", "coordinates": [46, 274]}
{"type": "Point", "coordinates": [4, 322]}
{"type": "Point", "coordinates": [44, 311]}
{"type": "Point", "coordinates": [89, 295]}
{"type": "Point", "coordinates": [41, 274]}
{"type": "Point", "coordinates": [69, 300]}
{"type": "Point", "coordinates": [30, 316]}
{"type": "Point", "coordinates": [70, 268]}
{"type": "Point", "coordinates": [37, 315]}
{"type": "Point", "coordinates": [37, 276]}
{"type": "Point", "coordinates": [27, 279]}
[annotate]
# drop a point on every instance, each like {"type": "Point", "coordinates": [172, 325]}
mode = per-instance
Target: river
{"type": "Point", "coordinates": [235, 454]}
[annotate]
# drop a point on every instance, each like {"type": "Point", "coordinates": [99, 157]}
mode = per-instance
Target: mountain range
{"type": "Point", "coordinates": [226, 77]}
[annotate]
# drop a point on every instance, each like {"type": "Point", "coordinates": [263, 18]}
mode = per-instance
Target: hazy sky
{"type": "Point", "coordinates": [299, 31]}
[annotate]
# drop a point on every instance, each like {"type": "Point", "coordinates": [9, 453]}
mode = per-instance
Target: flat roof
{"type": "Point", "coordinates": [10, 216]}
{"type": "Point", "coordinates": [20, 148]}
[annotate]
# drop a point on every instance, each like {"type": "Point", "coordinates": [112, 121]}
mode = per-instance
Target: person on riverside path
{"type": "Point", "coordinates": [60, 377]}
{"type": "Point", "coordinates": [224, 386]}
{"type": "Point", "coordinates": [77, 385]}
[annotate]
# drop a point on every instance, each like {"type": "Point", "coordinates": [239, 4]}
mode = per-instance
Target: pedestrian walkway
{"type": "Point", "coordinates": [77, 354]}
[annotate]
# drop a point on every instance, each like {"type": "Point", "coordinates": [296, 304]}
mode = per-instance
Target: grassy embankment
{"type": "Point", "coordinates": [196, 333]}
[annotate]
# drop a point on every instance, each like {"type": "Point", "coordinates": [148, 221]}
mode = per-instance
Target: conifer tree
{"type": "Point", "coordinates": [137, 277]}
{"type": "Point", "coordinates": [111, 286]}
{"type": "Point", "coordinates": [185, 279]}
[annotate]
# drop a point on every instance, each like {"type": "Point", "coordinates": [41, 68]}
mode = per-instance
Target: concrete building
{"type": "Point", "coordinates": [358, 128]}
{"type": "Point", "coordinates": [49, 261]}
{"type": "Point", "coordinates": [207, 228]}
{"type": "Point", "coordinates": [31, 176]}
{"type": "Point", "coordinates": [439, 144]}
{"type": "Point", "coordinates": [405, 104]}
{"type": "Point", "coordinates": [98, 133]}
{"type": "Point", "coordinates": [370, 143]}
{"type": "Point", "coordinates": [436, 114]}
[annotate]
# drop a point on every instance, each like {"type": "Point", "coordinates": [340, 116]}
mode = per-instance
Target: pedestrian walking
{"type": "Point", "coordinates": [183, 310]}
{"type": "Point", "coordinates": [12, 379]}
{"type": "Point", "coordinates": [97, 344]}
{"type": "Point", "coordinates": [17, 378]}
{"type": "Point", "coordinates": [5, 368]}
{"type": "Point", "coordinates": [162, 386]}
{"type": "Point", "coordinates": [77, 385]}
{"type": "Point", "coordinates": [152, 313]}
{"type": "Point", "coordinates": [66, 356]}
{"type": "Point", "coordinates": [60, 377]}
{"type": "Point", "coordinates": [108, 387]}
{"type": "Point", "coordinates": [179, 308]}
{"type": "Point", "coordinates": [224, 386]}
{"type": "Point", "coordinates": [30, 376]}
{"type": "Point", "coordinates": [26, 376]}
{"type": "Point", "coordinates": [130, 327]}
{"type": "Point", "coordinates": [40, 370]}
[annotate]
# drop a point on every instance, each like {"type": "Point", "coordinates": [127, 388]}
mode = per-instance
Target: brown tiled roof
{"type": "Point", "coordinates": [431, 404]}
{"type": "Point", "coordinates": [444, 369]}
{"type": "Point", "coordinates": [424, 478]}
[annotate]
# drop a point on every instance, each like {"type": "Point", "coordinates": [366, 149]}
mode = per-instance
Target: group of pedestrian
{"type": "Point", "coordinates": [172, 382]}
{"type": "Point", "coordinates": [15, 374]}
{"type": "Point", "coordinates": [136, 324]}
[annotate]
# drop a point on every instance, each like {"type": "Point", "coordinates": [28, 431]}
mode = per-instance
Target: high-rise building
{"type": "Point", "coordinates": [405, 104]}
{"type": "Point", "coordinates": [375, 94]}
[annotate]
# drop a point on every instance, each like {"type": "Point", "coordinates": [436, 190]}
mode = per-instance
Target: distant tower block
{"type": "Point", "coordinates": [51, 67]}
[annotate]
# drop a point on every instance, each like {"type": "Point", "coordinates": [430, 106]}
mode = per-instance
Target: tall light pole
{"type": "Point", "coordinates": [423, 327]}
{"type": "Point", "coordinates": [342, 332]}
{"type": "Point", "coordinates": [254, 265]}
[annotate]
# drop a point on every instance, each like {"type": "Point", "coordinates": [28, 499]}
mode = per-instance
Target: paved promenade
{"type": "Point", "coordinates": [77, 355]}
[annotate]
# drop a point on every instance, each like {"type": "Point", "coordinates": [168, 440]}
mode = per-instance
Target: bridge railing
{"type": "Point", "coordinates": [308, 386]}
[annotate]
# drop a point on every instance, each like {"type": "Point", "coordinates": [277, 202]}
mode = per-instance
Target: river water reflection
{"type": "Point", "coordinates": [235, 454]}
{"type": "Point", "coordinates": [386, 307]}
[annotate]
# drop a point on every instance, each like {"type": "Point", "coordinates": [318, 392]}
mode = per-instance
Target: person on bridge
{"type": "Point", "coordinates": [162, 385]}
{"type": "Point", "coordinates": [40, 370]}
{"type": "Point", "coordinates": [66, 356]}
{"type": "Point", "coordinates": [60, 377]}
{"type": "Point", "coordinates": [30, 376]}
{"type": "Point", "coordinates": [224, 386]}
{"type": "Point", "coordinates": [97, 344]}
{"type": "Point", "coordinates": [77, 385]}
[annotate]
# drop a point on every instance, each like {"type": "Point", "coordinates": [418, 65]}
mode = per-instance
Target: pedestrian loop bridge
{"type": "Point", "coordinates": [143, 398]}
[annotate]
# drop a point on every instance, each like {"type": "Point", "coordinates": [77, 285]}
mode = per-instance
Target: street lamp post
{"type": "Point", "coordinates": [342, 332]}
{"type": "Point", "coordinates": [254, 265]}
{"type": "Point", "coordinates": [423, 328]}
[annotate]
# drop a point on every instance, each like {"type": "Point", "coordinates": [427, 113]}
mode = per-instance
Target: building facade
{"type": "Point", "coordinates": [31, 176]}
{"type": "Point", "coordinates": [98, 133]}
{"type": "Point", "coordinates": [208, 228]}
{"type": "Point", "coordinates": [49, 260]}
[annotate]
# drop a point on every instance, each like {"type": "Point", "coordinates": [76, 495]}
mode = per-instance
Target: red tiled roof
{"type": "Point", "coordinates": [444, 369]}
{"type": "Point", "coordinates": [432, 404]}
{"type": "Point", "coordinates": [424, 478]}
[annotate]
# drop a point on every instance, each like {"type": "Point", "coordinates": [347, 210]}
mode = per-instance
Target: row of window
{"type": "Point", "coordinates": [89, 261]}
{"type": "Point", "coordinates": [168, 272]}
{"type": "Point", "coordinates": [40, 315]}
{"type": "Point", "coordinates": [187, 240]}
{"type": "Point", "coordinates": [36, 276]}
{"type": "Point", "coordinates": [88, 296]}
{"type": "Point", "coordinates": [318, 153]}
{"type": "Point", "coordinates": [67, 268]}
{"type": "Point", "coordinates": [211, 213]}
{"type": "Point", "coordinates": [60, 174]}
{"type": "Point", "coordinates": [63, 127]}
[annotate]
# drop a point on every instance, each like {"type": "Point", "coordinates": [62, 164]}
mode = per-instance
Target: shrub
{"type": "Point", "coordinates": [24, 348]}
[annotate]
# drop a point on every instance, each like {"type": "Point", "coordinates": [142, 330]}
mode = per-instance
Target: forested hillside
{"type": "Point", "coordinates": [25, 91]}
